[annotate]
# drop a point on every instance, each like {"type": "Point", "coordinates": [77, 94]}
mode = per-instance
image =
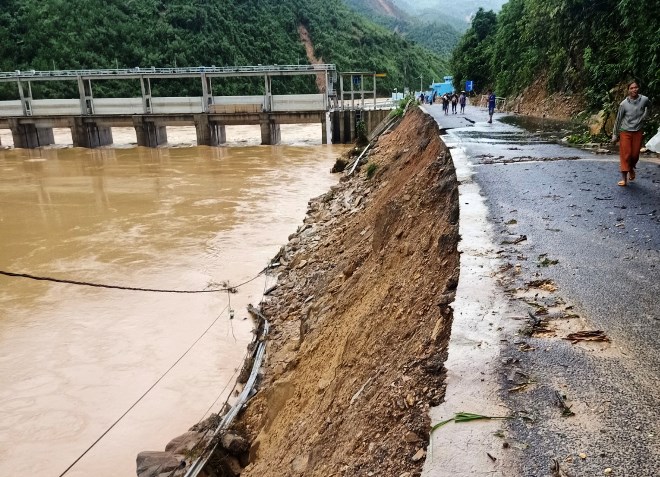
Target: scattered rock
{"type": "Point", "coordinates": [184, 443]}
{"type": "Point", "coordinates": [419, 455]}
{"type": "Point", "coordinates": [150, 462]}
{"type": "Point", "coordinates": [300, 463]}
{"type": "Point", "coordinates": [234, 442]}
{"type": "Point", "coordinates": [411, 437]}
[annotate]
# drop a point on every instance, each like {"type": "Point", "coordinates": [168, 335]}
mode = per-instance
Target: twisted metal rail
{"type": "Point", "coordinates": [228, 418]}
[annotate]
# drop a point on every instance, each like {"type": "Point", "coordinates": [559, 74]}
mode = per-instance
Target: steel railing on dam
{"type": "Point", "coordinates": [27, 105]}
{"type": "Point", "coordinates": [153, 72]}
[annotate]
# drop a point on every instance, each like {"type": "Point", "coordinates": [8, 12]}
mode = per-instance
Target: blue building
{"type": "Point", "coordinates": [446, 86]}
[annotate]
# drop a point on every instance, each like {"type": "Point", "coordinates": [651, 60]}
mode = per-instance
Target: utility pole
{"type": "Point", "coordinates": [420, 83]}
{"type": "Point", "coordinates": [405, 67]}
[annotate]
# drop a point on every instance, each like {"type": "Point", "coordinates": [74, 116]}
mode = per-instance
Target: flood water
{"type": "Point", "coordinates": [74, 359]}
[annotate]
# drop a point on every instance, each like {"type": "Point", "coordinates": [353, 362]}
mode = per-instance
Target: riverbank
{"type": "Point", "coordinates": [188, 218]}
{"type": "Point", "coordinates": [361, 320]}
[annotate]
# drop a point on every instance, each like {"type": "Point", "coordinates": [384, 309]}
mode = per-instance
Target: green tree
{"type": "Point", "coordinates": [471, 60]}
{"type": "Point", "coordinates": [579, 46]}
{"type": "Point", "coordinates": [78, 34]}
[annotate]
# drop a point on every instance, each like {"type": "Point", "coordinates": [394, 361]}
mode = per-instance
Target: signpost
{"type": "Point", "coordinates": [469, 86]}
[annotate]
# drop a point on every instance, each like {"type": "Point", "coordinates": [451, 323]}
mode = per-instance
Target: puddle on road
{"type": "Point", "coordinates": [521, 130]}
{"type": "Point", "coordinates": [491, 159]}
{"type": "Point", "coordinates": [542, 126]}
{"type": "Point", "coordinates": [514, 139]}
{"type": "Point", "coordinates": [504, 135]}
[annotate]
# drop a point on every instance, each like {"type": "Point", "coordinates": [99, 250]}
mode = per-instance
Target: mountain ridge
{"type": "Point", "coordinates": [185, 32]}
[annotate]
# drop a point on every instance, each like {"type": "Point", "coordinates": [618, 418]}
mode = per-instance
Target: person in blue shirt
{"type": "Point", "coordinates": [491, 105]}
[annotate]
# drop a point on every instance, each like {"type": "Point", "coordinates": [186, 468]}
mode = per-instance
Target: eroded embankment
{"type": "Point", "coordinates": [361, 319]}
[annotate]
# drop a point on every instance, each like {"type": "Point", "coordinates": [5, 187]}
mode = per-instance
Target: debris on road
{"type": "Point", "coordinates": [538, 325]}
{"type": "Point", "coordinates": [522, 238]}
{"type": "Point", "coordinates": [595, 335]}
{"type": "Point", "coordinates": [465, 417]}
{"type": "Point", "coordinates": [544, 284]}
{"type": "Point", "coordinates": [544, 261]}
{"type": "Point", "coordinates": [565, 408]}
{"type": "Point", "coordinates": [557, 470]}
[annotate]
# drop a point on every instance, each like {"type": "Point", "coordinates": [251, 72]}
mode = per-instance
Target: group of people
{"type": "Point", "coordinates": [427, 98]}
{"type": "Point", "coordinates": [628, 126]}
{"type": "Point", "coordinates": [446, 99]}
{"type": "Point", "coordinates": [455, 100]}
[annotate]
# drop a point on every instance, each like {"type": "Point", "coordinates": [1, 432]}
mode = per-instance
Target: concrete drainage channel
{"type": "Point", "coordinates": [472, 380]}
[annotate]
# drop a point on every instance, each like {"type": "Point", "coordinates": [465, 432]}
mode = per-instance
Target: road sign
{"type": "Point", "coordinates": [381, 75]}
{"type": "Point", "coordinates": [468, 85]}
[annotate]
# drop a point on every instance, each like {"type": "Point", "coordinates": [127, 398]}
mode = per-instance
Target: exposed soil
{"type": "Point", "coordinates": [306, 39]}
{"type": "Point", "coordinates": [361, 319]}
{"type": "Point", "coordinates": [386, 7]}
{"type": "Point", "coordinates": [536, 101]}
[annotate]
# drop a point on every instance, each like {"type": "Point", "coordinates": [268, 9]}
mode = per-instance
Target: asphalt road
{"type": "Point", "coordinates": [605, 240]}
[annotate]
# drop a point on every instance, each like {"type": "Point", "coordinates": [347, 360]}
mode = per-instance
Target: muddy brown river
{"type": "Point", "coordinates": [74, 359]}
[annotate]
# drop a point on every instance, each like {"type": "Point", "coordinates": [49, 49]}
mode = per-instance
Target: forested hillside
{"type": "Point", "coordinates": [434, 32]}
{"type": "Point", "coordinates": [77, 34]}
{"type": "Point", "coordinates": [580, 46]}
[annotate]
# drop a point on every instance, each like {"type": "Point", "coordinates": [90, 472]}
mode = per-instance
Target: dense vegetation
{"type": "Point", "coordinates": [78, 34]}
{"type": "Point", "coordinates": [580, 46]}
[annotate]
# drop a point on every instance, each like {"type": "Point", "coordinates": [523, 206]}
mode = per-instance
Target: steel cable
{"type": "Point", "coordinates": [120, 287]}
{"type": "Point", "coordinates": [143, 395]}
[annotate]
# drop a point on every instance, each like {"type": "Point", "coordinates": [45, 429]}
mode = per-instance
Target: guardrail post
{"type": "Point", "coordinates": [26, 102]}
{"type": "Point", "coordinates": [86, 97]}
{"type": "Point", "coordinates": [207, 93]}
{"type": "Point", "coordinates": [268, 96]}
{"type": "Point", "coordinates": [326, 101]}
{"type": "Point", "coordinates": [341, 91]}
{"type": "Point", "coordinates": [146, 95]}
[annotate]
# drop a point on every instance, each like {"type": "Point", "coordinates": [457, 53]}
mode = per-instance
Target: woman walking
{"type": "Point", "coordinates": [628, 130]}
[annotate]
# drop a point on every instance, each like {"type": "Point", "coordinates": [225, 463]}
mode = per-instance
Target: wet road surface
{"type": "Point", "coordinates": [598, 244]}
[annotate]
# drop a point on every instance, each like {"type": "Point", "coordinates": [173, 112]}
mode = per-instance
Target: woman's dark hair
{"type": "Point", "coordinates": [631, 82]}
